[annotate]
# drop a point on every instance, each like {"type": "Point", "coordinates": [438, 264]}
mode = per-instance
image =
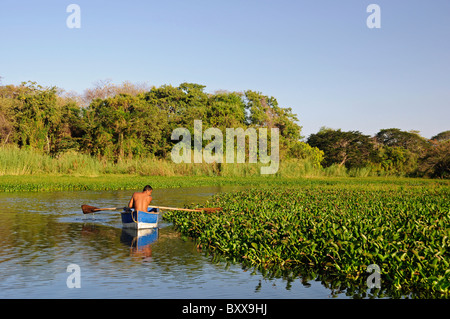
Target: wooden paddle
{"type": "Point", "coordinates": [91, 209]}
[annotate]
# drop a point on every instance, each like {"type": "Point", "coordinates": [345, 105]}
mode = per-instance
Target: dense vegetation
{"type": "Point", "coordinates": [110, 129]}
{"type": "Point", "coordinates": [335, 230]}
{"type": "Point", "coordinates": [118, 123]}
{"type": "Point", "coordinates": [14, 183]}
{"type": "Point", "coordinates": [390, 151]}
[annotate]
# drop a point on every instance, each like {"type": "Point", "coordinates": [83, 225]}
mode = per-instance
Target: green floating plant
{"type": "Point", "coordinates": [337, 230]}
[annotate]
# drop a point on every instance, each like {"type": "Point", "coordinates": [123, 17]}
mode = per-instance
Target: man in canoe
{"type": "Point", "coordinates": [140, 200]}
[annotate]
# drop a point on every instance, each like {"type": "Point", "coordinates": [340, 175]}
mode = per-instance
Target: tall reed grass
{"type": "Point", "coordinates": [16, 161]}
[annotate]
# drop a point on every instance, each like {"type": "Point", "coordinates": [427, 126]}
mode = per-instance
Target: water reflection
{"type": "Point", "coordinates": [139, 241]}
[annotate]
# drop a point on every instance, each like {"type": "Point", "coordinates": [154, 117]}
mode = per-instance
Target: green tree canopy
{"type": "Point", "coordinates": [408, 140]}
{"type": "Point", "coordinates": [116, 122]}
{"type": "Point", "coordinates": [352, 149]}
{"type": "Point", "coordinates": [443, 136]}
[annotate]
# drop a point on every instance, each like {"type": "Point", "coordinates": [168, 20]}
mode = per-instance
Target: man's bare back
{"type": "Point", "coordinates": [140, 200]}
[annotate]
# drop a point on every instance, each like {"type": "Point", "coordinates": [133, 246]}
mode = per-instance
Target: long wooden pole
{"type": "Point", "coordinates": [91, 209]}
{"type": "Point", "coordinates": [189, 210]}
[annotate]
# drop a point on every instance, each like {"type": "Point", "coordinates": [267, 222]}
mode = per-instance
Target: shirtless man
{"type": "Point", "coordinates": [140, 200]}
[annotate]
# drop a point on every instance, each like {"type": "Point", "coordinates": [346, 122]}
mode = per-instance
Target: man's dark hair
{"type": "Point", "coordinates": [147, 188]}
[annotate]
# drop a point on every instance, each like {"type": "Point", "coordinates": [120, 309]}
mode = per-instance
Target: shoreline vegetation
{"type": "Point", "coordinates": [45, 183]}
{"type": "Point", "coordinates": [30, 170]}
{"type": "Point", "coordinates": [128, 128]}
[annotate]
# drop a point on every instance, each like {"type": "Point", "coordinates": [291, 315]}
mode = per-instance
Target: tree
{"type": "Point", "coordinates": [264, 111]}
{"type": "Point", "coordinates": [443, 136]}
{"type": "Point", "coordinates": [174, 109]}
{"type": "Point", "coordinates": [114, 125]}
{"type": "Point", "coordinates": [7, 120]}
{"type": "Point", "coordinates": [352, 149]}
{"type": "Point", "coordinates": [102, 89]}
{"type": "Point", "coordinates": [436, 163]}
{"type": "Point", "coordinates": [301, 150]}
{"type": "Point", "coordinates": [194, 103]}
{"type": "Point", "coordinates": [226, 110]}
{"type": "Point", "coordinates": [38, 117]}
{"type": "Point", "coordinates": [408, 140]}
{"type": "Point", "coordinates": [395, 160]}
{"type": "Point", "coordinates": [124, 121]}
{"type": "Point", "coordinates": [72, 128]}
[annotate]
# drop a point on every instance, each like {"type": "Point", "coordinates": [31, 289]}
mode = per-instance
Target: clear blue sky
{"type": "Point", "coordinates": [317, 57]}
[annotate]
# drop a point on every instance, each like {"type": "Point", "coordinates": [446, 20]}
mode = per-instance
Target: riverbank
{"type": "Point", "coordinates": [28, 162]}
{"type": "Point", "coordinates": [46, 182]}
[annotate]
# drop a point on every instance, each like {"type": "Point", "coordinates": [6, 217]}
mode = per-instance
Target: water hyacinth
{"type": "Point", "coordinates": [337, 230]}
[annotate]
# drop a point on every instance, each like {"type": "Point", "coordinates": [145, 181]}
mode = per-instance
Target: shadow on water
{"type": "Point", "coordinates": [42, 233]}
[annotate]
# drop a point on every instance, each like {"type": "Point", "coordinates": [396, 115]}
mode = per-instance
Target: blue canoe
{"type": "Point", "coordinates": [140, 220]}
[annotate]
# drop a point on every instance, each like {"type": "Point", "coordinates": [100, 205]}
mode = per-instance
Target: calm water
{"type": "Point", "coordinates": [42, 233]}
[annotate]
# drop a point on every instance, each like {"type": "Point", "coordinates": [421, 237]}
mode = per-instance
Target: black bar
{"type": "Point", "coordinates": [230, 308]}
